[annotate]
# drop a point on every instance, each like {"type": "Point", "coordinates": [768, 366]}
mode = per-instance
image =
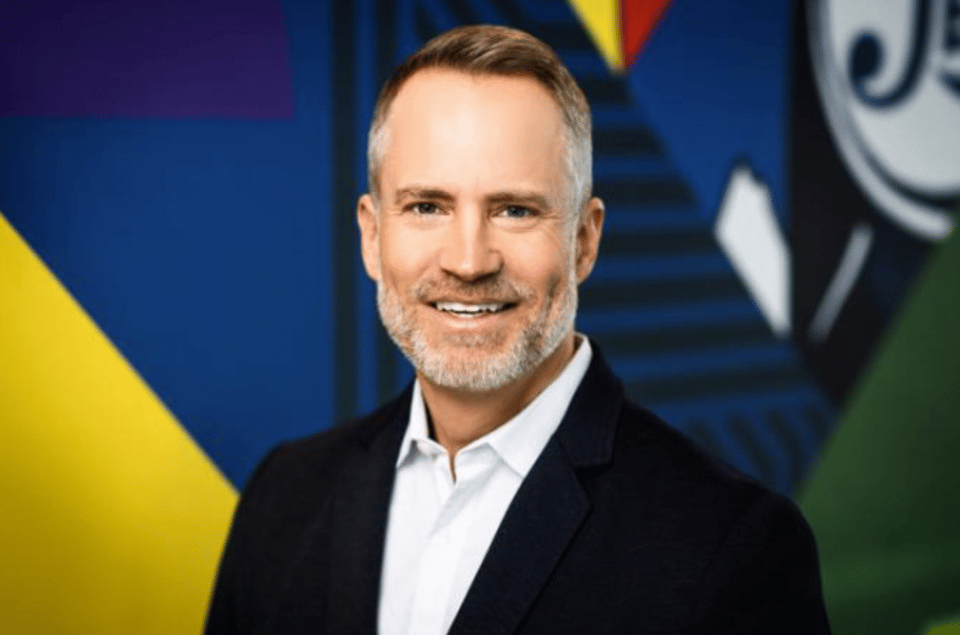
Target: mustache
{"type": "Point", "coordinates": [488, 289]}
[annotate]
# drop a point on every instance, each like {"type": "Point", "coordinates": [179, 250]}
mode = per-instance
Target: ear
{"type": "Point", "coordinates": [588, 238]}
{"type": "Point", "coordinates": [368, 221]}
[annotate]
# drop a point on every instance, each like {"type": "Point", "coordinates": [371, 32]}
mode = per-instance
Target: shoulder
{"type": "Point", "coordinates": [736, 543]}
{"type": "Point", "coordinates": [641, 462]}
{"type": "Point", "coordinates": [677, 479]}
{"type": "Point", "coordinates": [319, 457]}
{"type": "Point", "coordinates": [296, 477]}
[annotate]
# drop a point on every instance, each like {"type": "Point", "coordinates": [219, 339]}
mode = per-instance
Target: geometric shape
{"type": "Point", "coordinates": [601, 20]}
{"type": "Point", "coordinates": [715, 117]}
{"type": "Point", "coordinates": [176, 58]}
{"type": "Point", "coordinates": [826, 202]}
{"type": "Point", "coordinates": [111, 517]}
{"type": "Point", "coordinates": [943, 626]}
{"type": "Point", "coordinates": [637, 21]}
{"type": "Point", "coordinates": [895, 125]}
{"type": "Point", "coordinates": [883, 500]}
{"type": "Point", "coordinates": [747, 230]}
{"type": "Point", "coordinates": [851, 263]}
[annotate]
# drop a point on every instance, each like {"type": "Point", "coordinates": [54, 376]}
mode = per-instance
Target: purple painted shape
{"type": "Point", "coordinates": [145, 58]}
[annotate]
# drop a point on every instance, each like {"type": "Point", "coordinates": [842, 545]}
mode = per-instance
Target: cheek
{"type": "Point", "coordinates": [542, 263]}
{"type": "Point", "coordinates": [544, 255]}
{"type": "Point", "coordinates": [403, 257]}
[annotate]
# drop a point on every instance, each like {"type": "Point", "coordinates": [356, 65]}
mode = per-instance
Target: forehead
{"type": "Point", "coordinates": [472, 132]}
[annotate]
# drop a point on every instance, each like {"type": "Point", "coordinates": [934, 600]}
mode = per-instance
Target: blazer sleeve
{"type": "Point", "coordinates": [765, 576]}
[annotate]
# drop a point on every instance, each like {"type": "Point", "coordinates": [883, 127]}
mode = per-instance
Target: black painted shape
{"type": "Point", "coordinates": [633, 141]}
{"type": "Point", "coordinates": [789, 442]}
{"type": "Point", "coordinates": [952, 82]}
{"type": "Point", "coordinates": [423, 24]}
{"type": "Point", "coordinates": [751, 448]}
{"type": "Point", "coordinates": [607, 90]}
{"type": "Point", "coordinates": [462, 12]}
{"type": "Point", "coordinates": [752, 380]}
{"type": "Point", "coordinates": [345, 252]}
{"type": "Point", "coordinates": [633, 192]}
{"type": "Point", "coordinates": [951, 35]}
{"type": "Point", "coordinates": [387, 357]}
{"type": "Point", "coordinates": [570, 37]}
{"type": "Point", "coordinates": [818, 423]}
{"type": "Point", "coordinates": [866, 57]}
{"type": "Point", "coordinates": [826, 203]}
{"type": "Point", "coordinates": [657, 243]}
{"type": "Point", "coordinates": [511, 14]}
{"type": "Point", "coordinates": [635, 293]}
{"type": "Point", "coordinates": [684, 338]}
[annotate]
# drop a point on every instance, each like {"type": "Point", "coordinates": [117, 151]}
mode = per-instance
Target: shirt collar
{"type": "Point", "coordinates": [520, 440]}
{"type": "Point", "coordinates": [416, 428]}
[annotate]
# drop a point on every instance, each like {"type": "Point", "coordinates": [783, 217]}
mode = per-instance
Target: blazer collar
{"type": "Point", "coordinates": [333, 583]}
{"type": "Point", "coordinates": [547, 510]}
{"type": "Point", "coordinates": [588, 427]}
{"type": "Point", "coordinates": [545, 514]}
{"type": "Point", "coordinates": [358, 523]}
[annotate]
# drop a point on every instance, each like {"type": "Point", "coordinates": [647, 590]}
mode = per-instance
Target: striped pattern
{"type": "Point", "coordinates": [663, 301]}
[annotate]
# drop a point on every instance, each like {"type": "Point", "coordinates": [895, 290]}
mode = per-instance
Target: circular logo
{"type": "Point", "coordinates": [888, 74]}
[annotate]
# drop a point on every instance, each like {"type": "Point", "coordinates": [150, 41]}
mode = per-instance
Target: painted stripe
{"type": "Point", "coordinates": [111, 517]}
{"type": "Point", "coordinates": [851, 263]}
{"type": "Point", "coordinates": [602, 20]}
{"type": "Point", "coordinates": [346, 246]}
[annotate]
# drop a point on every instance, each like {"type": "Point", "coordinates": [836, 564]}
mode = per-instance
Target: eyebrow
{"type": "Point", "coordinates": [533, 199]}
{"type": "Point", "coordinates": [427, 193]}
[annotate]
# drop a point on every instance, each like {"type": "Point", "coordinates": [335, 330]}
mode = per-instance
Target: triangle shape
{"type": "Point", "coordinates": [638, 19]}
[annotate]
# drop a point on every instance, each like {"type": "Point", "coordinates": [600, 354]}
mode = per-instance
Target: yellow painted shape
{"type": "Point", "coordinates": [951, 628]}
{"type": "Point", "coordinates": [602, 21]}
{"type": "Point", "coordinates": [111, 518]}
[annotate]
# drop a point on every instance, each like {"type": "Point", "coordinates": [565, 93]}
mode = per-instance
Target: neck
{"type": "Point", "coordinates": [459, 417]}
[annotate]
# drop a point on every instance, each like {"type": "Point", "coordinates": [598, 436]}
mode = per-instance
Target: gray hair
{"type": "Point", "coordinates": [496, 50]}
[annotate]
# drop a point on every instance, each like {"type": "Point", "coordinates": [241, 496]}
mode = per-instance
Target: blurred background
{"type": "Point", "coordinates": [181, 288]}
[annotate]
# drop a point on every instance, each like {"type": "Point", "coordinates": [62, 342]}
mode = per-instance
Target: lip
{"type": "Point", "coordinates": [481, 300]}
{"type": "Point", "coordinates": [480, 320]}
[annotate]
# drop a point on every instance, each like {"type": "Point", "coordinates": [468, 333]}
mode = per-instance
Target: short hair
{"type": "Point", "coordinates": [503, 51]}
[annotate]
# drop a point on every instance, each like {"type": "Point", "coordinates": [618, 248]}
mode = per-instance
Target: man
{"type": "Point", "coordinates": [512, 488]}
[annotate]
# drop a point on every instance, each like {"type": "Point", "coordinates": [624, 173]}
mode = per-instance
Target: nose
{"type": "Point", "coordinates": [468, 251]}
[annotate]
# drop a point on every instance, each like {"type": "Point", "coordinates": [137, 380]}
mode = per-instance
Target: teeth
{"type": "Point", "coordinates": [470, 309]}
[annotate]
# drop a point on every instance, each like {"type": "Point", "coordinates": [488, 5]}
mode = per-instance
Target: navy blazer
{"type": "Point", "coordinates": [621, 526]}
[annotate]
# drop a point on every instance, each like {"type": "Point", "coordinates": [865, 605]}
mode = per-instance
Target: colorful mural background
{"type": "Point", "coordinates": [180, 283]}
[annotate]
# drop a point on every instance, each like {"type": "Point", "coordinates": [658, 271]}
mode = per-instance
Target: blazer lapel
{"type": "Point", "coordinates": [358, 528]}
{"type": "Point", "coordinates": [341, 554]}
{"type": "Point", "coordinates": [546, 512]}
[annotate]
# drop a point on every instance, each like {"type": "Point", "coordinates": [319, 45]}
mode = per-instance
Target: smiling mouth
{"type": "Point", "coordinates": [465, 310]}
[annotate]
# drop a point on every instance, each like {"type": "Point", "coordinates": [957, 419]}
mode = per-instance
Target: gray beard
{"type": "Point", "coordinates": [481, 373]}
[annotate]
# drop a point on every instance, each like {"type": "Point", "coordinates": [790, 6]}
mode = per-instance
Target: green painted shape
{"type": "Point", "coordinates": [884, 502]}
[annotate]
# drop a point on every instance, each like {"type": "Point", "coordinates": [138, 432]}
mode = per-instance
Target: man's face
{"type": "Point", "coordinates": [474, 247]}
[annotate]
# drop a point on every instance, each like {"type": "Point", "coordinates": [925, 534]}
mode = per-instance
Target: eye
{"type": "Point", "coordinates": [424, 209]}
{"type": "Point", "coordinates": [517, 211]}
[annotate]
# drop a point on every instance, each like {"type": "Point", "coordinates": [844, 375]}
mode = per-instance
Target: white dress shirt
{"type": "Point", "coordinates": [439, 529]}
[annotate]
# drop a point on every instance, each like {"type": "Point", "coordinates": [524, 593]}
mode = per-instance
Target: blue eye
{"type": "Point", "coordinates": [516, 211]}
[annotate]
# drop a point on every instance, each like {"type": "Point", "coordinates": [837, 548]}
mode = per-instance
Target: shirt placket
{"type": "Point", "coordinates": [445, 542]}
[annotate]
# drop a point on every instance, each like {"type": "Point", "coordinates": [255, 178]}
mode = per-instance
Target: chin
{"type": "Point", "coordinates": [481, 360]}
{"type": "Point", "coordinates": [471, 368]}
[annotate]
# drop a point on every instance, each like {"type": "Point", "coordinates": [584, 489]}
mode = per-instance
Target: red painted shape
{"type": "Point", "coordinates": [638, 19]}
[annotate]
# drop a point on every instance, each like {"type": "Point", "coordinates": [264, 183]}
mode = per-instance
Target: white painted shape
{"type": "Point", "coordinates": [851, 263]}
{"type": "Point", "coordinates": [841, 22]}
{"type": "Point", "coordinates": [749, 235]}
